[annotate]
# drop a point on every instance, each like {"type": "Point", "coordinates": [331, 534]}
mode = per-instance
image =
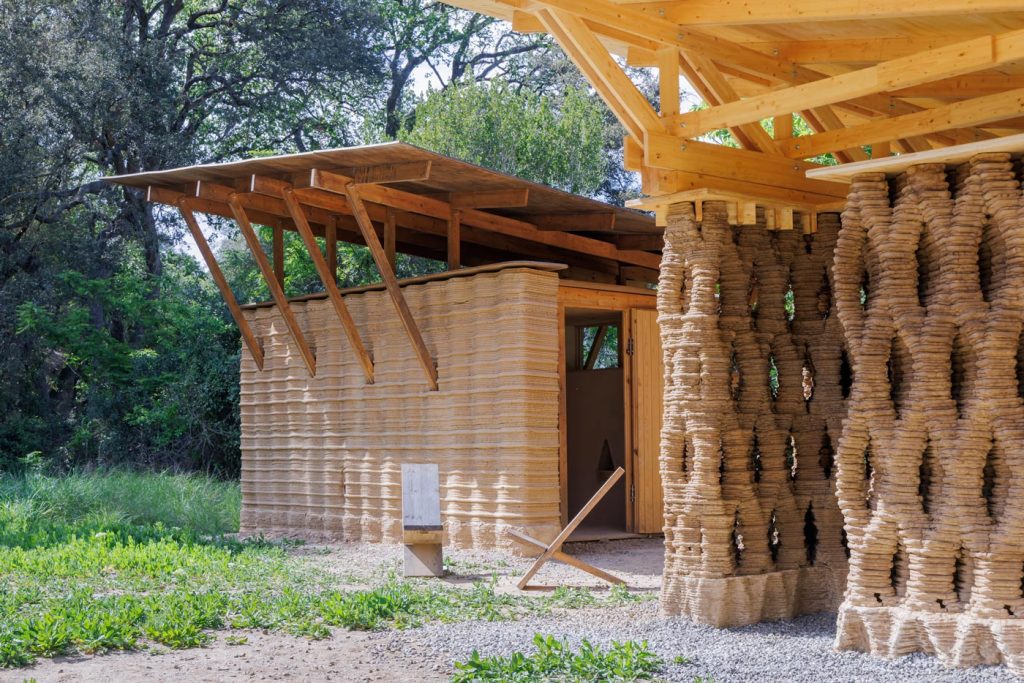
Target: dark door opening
{"type": "Point", "coordinates": [595, 419]}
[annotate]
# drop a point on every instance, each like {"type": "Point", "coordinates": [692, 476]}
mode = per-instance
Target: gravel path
{"type": "Point", "coordinates": [791, 651]}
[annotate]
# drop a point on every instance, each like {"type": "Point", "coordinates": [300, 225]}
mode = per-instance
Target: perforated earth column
{"type": "Point", "coordinates": [929, 284]}
{"type": "Point", "coordinates": [753, 407]}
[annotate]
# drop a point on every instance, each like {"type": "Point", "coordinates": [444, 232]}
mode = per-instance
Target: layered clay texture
{"type": "Point", "coordinates": [322, 456]}
{"type": "Point", "coordinates": [753, 409]}
{"type": "Point", "coordinates": [929, 286]}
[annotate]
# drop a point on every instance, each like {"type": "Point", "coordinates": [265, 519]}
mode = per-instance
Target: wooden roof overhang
{"type": "Point", "coordinates": [871, 78]}
{"type": "Point", "coordinates": [396, 197]}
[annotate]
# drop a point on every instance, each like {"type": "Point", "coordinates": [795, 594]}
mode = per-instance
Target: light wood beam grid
{"type": "Point", "coordinates": [863, 77]}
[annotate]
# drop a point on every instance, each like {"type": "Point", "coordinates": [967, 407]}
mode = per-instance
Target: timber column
{"type": "Point", "coordinates": [753, 404]}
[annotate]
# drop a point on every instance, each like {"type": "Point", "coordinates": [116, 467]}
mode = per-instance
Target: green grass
{"type": "Point", "coordinates": [554, 660]}
{"type": "Point", "coordinates": [117, 561]}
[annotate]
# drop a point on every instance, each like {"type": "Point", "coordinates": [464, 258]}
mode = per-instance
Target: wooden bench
{"type": "Point", "coordinates": [422, 531]}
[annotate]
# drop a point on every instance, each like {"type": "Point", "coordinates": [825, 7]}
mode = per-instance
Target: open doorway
{"type": "Point", "coordinates": [596, 419]}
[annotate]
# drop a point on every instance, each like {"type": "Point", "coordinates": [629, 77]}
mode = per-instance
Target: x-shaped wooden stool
{"type": "Point", "coordinates": [553, 551]}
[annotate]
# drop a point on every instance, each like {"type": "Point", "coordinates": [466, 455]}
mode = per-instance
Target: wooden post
{"type": "Point", "coordinates": [327, 277]}
{"type": "Point", "coordinates": [783, 126]}
{"type": "Point", "coordinates": [455, 240]}
{"type": "Point", "coordinates": [279, 254]}
{"type": "Point", "coordinates": [668, 80]}
{"type": "Point", "coordinates": [276, 290]}
{"type": "Point", "coordinates": [391, 284]}
{"type": "Point", "coordinates": [390, 230]}
{"type": "Point", "coordinates": [331, 237]}
{"type": "Point", "coordinates": [222, 284]}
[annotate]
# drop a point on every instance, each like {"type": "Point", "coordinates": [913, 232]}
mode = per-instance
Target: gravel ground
{"type": "Point", "coordinates": [790, 651]}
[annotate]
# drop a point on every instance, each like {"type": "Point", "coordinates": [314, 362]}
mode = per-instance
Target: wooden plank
{"type": "Point", "coordinates": [276, 291]}
{"type": "Point", "coordinates": [646, 405]}
{"type": "Point", "coordinates": [653, 242]}
{"type": "Point", "coordinates": [390, 173]}
{"type": "Point", "coordinates": [327, 276]}
{"type": "Point", "coordinates": [563, 419]}
{"type": "Point", "coordinates": [585, 567]}
{"type": "Point", "coordinates": [490, 199]}
{"type": "Point", "coordinates": [255, 348]}
{"type": "Point", "coordinates": [782, 125]}
{"type": "Point", "coordinates": [455, 240]}
{"type": "Point", "coordinates": [943, 62]}
{"type": "Point", "coordinates": [391, 283]}
{"type": "Point", "coordinates": [592, 221]}
{"type": "Point", "coordinates": [897, 164]}
{"type": "Point", "coordinates": [278, 251]}
{"type": "Point", "coordinates": [976, 112]}
{"type": "Point", "coordinates": [421, 497]}
{"type": "Point", "coordinates": [389, 237]}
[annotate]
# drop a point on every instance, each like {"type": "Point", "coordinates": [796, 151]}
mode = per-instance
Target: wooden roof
{"type": "Point", "coordinates": [446, 175]}
{"type": "Point", "coordinates": [871, 77]}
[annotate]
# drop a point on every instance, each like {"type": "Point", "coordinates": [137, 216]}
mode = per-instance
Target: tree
{"type": "Point", "coordinates": [518, 132]}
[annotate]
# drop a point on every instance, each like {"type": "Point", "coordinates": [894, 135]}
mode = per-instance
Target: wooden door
{"type": "Point", "coordinates": [646, 366]}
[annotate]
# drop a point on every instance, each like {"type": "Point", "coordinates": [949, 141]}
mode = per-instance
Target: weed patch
{"type": "Point", "coordinates": [555, 660]}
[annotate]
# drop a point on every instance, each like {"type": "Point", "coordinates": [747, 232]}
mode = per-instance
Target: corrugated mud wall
{"type": "Point", "coordinates": [322, 456]}
{"type": "Point", "coordinates": [930, 290]}
{"type": "Point", "coordinates": [753, 409]}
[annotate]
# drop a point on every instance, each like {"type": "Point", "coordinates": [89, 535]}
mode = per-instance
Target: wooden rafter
{"type": "Point", "coordinates": [716, 13]}
{"type": "Point", "coordinates": [255, 348]}
{"type": "Point", "coordinates": [614, 86]}
{"type": "Point", "coordinates": [594, 221]}
{"type": "Point", "coordinates": [709, 82]}
{"type": "Point", "coordinates": [944, 62]}
{"type": "Point", "coordinates": [276, 291]}
{"type": "Point", "coordinates": [976, 112]}
{"type": "Point", "coordinates": [391, 283]}
{"type": "Point", "coordinates": [327, 276]}
{"type": "Point", "coordinates": [489, 199]}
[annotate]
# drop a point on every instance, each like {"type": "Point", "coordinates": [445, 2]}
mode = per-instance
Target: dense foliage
{"type": "Point", "coordinates": [114, 345]}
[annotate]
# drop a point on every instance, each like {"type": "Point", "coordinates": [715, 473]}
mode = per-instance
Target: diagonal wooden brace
{"type": "Point", "coordinates": [391, 284]}
{"type": "Point", "coordinates": [276, 291]}
{"type": "Point", "coordinates": [553, 550]}
{"type": "Point", "coordinates": [255, 349]}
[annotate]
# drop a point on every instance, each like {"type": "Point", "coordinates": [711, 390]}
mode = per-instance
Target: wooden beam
{"type": "Point", "coordinates": [964, 87]}
{"type": "Point", "coordinates": [655, 242]}
{"type": "Point", "coordinates": [591, 221]}
{"type": "Point", "coordinates": [718, 13]}
{"type": "Point", "coordinates": [327, 276]}
{"type": "Point", "coordinates": [455, 240]}
{"type": "Point", "coordinates": [512, 227]}
{"type": "Point", "coordinates": [668, 80]}
{"type": "Point", "coordinates": [595, 347]}
{"type": "Point", "coordinates": [672, 153]}
{"type": "Point", "coordinates": [255, 349]}
{"type": "Point", "coordinates": [355, 201]}
{"type": "Point", "coordinates": [782, 125]}
{"type": "Point", "coordinates": [278, 251]}
{"type": "Point", "coordinates": [389, 237]}
{"type": "Point", "coordinates": [952, 60]}
{"type": "Point", "coordinates": [276, 291]}
{"type": "Point", "coordinates": [976, 112]}
{"type": "Point", "coordinates": [490, 199]}
{"type": "Point", "coordinates": [706, 78]}
{"type": "Point", "coordinates": [331, 240]}
{"type": "Point", "coordinates": [836, 50]}
{"type": "Point", "coordinates": [615, 87]}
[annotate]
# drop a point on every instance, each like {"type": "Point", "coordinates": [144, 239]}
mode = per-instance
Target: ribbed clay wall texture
{"type": "Point", "coordinates": [929, 283]}
{"type": "Point", "coordinates": [322, 456]}
{"type": "Point", "coordinates": [753, 409]}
